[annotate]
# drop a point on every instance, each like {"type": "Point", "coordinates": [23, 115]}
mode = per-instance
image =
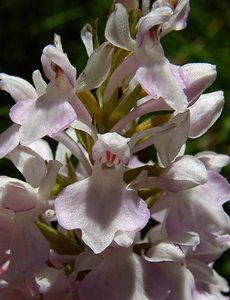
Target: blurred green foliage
{"type": "Point", "coordinates": [27, 27]}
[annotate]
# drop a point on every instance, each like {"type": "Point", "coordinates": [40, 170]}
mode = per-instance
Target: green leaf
{"type": "Point", "coordinates": [59, 242]}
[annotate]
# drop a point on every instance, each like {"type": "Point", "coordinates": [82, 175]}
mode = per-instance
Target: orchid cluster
{"type": "Point", "coordinates": [90, 221]}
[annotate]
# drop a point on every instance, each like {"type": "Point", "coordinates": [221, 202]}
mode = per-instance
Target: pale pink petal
{"type": "Point", "coordinates": [165, 251]}
{"type": "Point", "coordinates": [168, 139]}
{"type": "Point", "coordinates": [80, 110]}
{"type": "Point", "coordinates": [51, 115]}
{"type": "Point", "coordinates": [22, 110]}
{"type": "Point", "coordinates": [200, 208]}
{"type": "Point", "coordinates": [181, 279]}
{"type": "Point", "coordinates": [146, 23]}
{"type": "Point", "coordinates": [126, 68]}
{"type": "Point", "coordinates": [97, 68]}
{"type": "Point", "coordinates": [29, 248]}
{"type": "Point", "coordinates": [42, 148]}
{"type": "Point", "coordinates": [29, 163]}
{"type": "Point", "coordinates": [39, 83]}
{"type": "Point", "coordinates": [204, 113]}
{"type": "Point", "coordinates": [124, 275]}
{"type": "Point", "coordinates": [114, 208]}
{"type": "Point", "coordinates": [117, 28]}
{"type": "Point", "coordinates": [184, 173]}
{"type": "Point", "coordinates": [48, 180]}
{"type": "Point", "coordinates": [18, 88]}
{"type": "Point", "coordinates": [6, 228]}
{"type": "Point", "coordinates": [87, 38]}
{"type": "Point", "coordinates": [9, 139]}
{"type": "Point", "coordinates": [152, 77]}
{"type": "Point", "coordinates": [213, 161]}
{"type": "Point", "coordinates": [199, 77]}
{"type": "Point", "coordinates": [16, 194]}
{"type": "Point", "coordinates": [178, 20]}
{"type": "Point", "coordinates": [53, 55]}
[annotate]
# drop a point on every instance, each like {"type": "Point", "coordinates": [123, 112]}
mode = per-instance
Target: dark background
{"type": "Point", "coordinates": [27, 26]}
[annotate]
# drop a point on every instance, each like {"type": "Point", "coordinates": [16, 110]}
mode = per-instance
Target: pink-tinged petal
{"type": "Point", "coordinates": [48, 181]}
{"type": "Point", "coordinates": [87, 38]}
{"type": "Point", "coordinates": [18, 88]}
{"type": "Point", "coordinates": [204, 113]}
{"type": "Point", "coordinates": [97, 68]}
{"type": "Point", "coordinates": [42, 148]}
{"type": "Point", "coordinates": [80, 110]}
{"type": "Point", "coordinates": [17, 195]}
{"type": "Point", "coordinates": [152, 78]}
{"type": "Point", "coordinates": [178, 20]}
{"type": "Point", "coordinates": [53, 284]}
{"type": "Point", "coordinates": [199, 77]}
{"type": "Point", "coordinates": [6, 227]}
{"type": "Point", "coordinates": [202, 272]}
{"type": "Point", "coordinates": [39, 82]}
{"type": "Point", "coordinates": [29, 249]}
{"type": "Point", "coordinates": [29, 163]}
{"type": "Point", "coordinates": [124, 238]}
{"type": "Point", "coordinates": [127, 67]}
{"type": "Point", "coordinates": [22, 110]}
{"type": "Point", "coordinates": [114, 208]}
{"type": "Point", "coordinates": [213, 161]}
{"type": "Point", "coordinates": [168, 139]}
{"type": "Point", "coordinates": [181, 279]}
{"type": "Point", "coordinates": [147, 22]}
{"type": "Point", "coordinates": [52, 55]}
{"type": "Point", "coordinates": [117, 28]}
{"type": "Point", "coordinates": [200, 208]}
{"type": "Point", "coordinates": [51, 115]}
{"type": "Point", "coordinates": [219, 188]}
{"type": "Point", "coordinates": [129, 4]}
{"type": "Point", "coordinates": [165, 251]}
{"type": "Point", "coordinates": [9, 139]}
{"type": "Point", "coordinates": [124, 275]}
{"type": "Point", "coordinates": [184, 173]}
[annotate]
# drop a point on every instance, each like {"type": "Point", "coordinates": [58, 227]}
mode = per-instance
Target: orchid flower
{"type": "Point", "coordinates": [29, 249]}
{"type": "Point", "coordinates": [116, 207]}
{"type": "Point", "coordinates": [46, 109]}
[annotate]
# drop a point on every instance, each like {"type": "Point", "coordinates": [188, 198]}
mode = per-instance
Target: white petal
{"type": "Point", "coordinates": [165, 251]}
{"type": "Point", "coordinates": [17, 195]}
{"type": "Point", "coordinates": [39, 82]}
{"type": "Point", "coordinates": [51, 115]}
{"type": "Point", "coordinates": [184, 173]}
{"type": "Point", "coordinates": [117, 28]}
{"type": "Point", "coordinates": [42, 148]}
{"type": "Point", "coordinates": [48, 181]}
{"type": "Point", "coordinates": [9, 139]}
{"type": "Point", "coordinates": [29, 248]}
{"type": "Point", "coordinates": [153, 76]}
{"type": "Point", "coordinates": [199, 77]}
{"type": "Point", "coordinates": [53, 55]}
{"type": "Point", "coordinates": [213, 161]}
{"type": "Point", "coordinates": [87, 38]}
{"type": "Point", "coordinates": [97, 68]}
{"type": "Point", "coordinates": [18, 88]}
{"type": "Point", "coordinates": [204, 113]}
{"type": "Point", "coordinates": [79, 125]}
{"type": "Point", "coordinates": [29, 163]}
{"type": "Point", "coordinates": [182, 281]}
